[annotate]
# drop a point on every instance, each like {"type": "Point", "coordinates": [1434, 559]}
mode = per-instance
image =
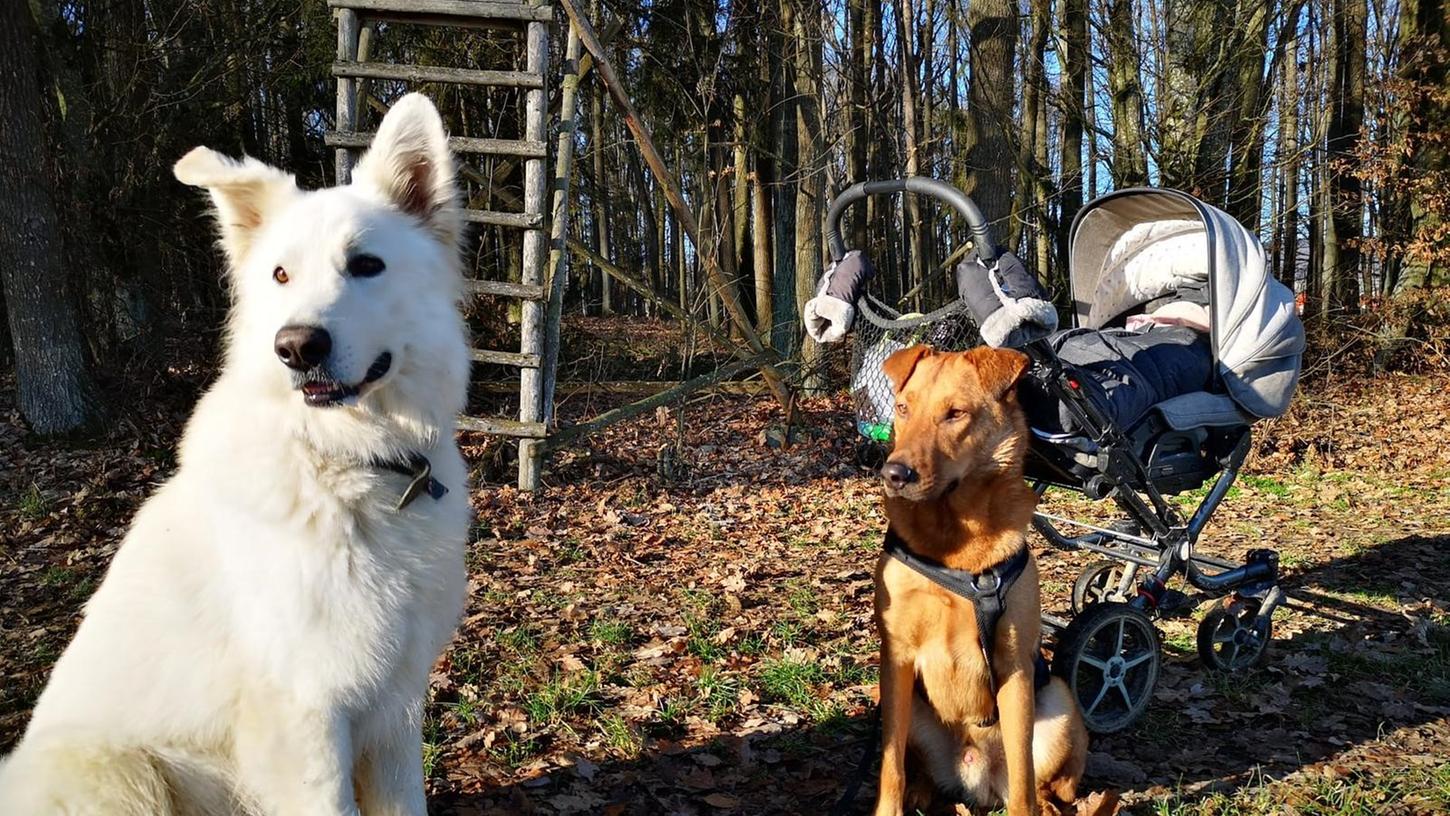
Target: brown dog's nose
{"type": "Point", "coordinates": [302, 348]}
{"type": "Point", "coordinates": [897, 475]}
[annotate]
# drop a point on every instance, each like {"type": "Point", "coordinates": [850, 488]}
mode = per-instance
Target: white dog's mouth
{"type": "Point", "coordinates": [320, 389]}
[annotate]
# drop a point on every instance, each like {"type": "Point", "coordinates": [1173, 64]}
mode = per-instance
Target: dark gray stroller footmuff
{"type": "Point", "coordinates": [1124, 372]}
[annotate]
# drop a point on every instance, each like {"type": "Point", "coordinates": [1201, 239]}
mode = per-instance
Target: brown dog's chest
{"type": "Point", "coordinates": [938, 631]}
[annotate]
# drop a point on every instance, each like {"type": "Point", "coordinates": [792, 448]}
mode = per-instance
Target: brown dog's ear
{"type": "Point", "coordinates": [998, 370]}
{"type": "Point", "coordinates": [898, 367]}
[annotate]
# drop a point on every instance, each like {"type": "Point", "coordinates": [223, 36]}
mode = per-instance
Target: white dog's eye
{"type": "Point", "coordinates": [280, 275]}
{"type": "Point", "coordinates": [364, 266]}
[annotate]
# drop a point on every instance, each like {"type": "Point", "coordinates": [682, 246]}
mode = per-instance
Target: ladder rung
{"type": "Point", "coordinates": [451, 8]}
{"type": "Point", "coordinates": [502, 427]}
{"type": "Point", "coordinates": [508, 358]}
{"type": "Point", "coordinates": [522, 291]}
{"type": "Point", "coordinates": [459, 144]}
{"type": "Point", "coordinates": [437, 73]}
{"type": "Point", "coordinates": [504, 219]}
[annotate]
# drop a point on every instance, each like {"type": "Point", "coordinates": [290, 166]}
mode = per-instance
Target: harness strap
{"type": "Point", "coordinates": [986, 591]}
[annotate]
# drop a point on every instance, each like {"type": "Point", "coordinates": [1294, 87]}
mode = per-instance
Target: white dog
{"type": "Point", "coordinates": [263, 639]}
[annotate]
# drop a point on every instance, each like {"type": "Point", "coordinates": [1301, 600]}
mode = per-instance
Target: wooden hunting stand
{"type": "Point", "coordinates": [356, 27]}
{"type": "Point", "coordinates": [544, 266]}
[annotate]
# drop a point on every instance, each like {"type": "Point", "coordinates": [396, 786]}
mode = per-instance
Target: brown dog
{"type": "Point", "coordinates": [955, 496]}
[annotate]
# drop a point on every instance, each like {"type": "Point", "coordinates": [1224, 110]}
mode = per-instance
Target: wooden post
{"type": "Point", "coordinates": [531, 391]}
{"type": "Point", "coordinates": [347, 38]}
{"type": "Point", "coordinates": [360, 86]}
{"type": "Point", "coordinates": [559, 226]}
{"type": "Point", "coordinates": [724, 288]}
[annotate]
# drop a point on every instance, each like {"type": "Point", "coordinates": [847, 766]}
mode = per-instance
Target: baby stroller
{"type": "Point", "coordinates": [1182, 341]}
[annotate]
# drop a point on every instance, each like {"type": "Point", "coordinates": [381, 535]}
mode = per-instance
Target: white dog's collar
{"type": "Point", "coordinates": [420, 470]}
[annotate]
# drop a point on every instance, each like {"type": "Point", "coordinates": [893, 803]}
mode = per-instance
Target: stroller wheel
{"type": "Point", "coordinates": [1230, 637]}
{"type": "Point", "coordinates": [1109, 657]}
{"type": "Point", "coordinates": [1098, 583]}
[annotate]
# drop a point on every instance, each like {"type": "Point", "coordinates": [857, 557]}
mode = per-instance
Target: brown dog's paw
{"type": "Point", "coordinates": [1098, 803]}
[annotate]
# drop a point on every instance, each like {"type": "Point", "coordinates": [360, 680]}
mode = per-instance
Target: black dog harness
{"type": "Point", "coordinates": [420, 470]}
{"type": "Point", "coordinates": [987, 592]}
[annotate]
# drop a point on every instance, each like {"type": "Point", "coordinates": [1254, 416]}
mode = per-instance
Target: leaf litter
{"type": "Point", "coordinates": [697, 638]}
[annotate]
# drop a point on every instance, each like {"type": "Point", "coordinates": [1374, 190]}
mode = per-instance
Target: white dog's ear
{"type": "Point", "coordinates": [409, 164]}
{"type": "Point", "coordinates": [243, 191]}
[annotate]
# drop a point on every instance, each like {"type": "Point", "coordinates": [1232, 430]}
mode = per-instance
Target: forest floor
{"type": "Point", "coordinates": [680, 623]}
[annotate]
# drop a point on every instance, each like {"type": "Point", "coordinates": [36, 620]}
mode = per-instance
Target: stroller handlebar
{"type": "Point", "coordinates": [918, 185]}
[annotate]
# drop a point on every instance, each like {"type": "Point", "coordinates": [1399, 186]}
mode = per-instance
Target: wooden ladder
{"type": "Point", "coordinates": [356, 20]}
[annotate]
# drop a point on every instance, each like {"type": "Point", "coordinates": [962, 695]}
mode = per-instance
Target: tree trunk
{"type": "Point", "coordinates": [1130, 158]}
{"type": "Point", "coordinates": [1289, 165]}
{"type": "Point", "coordinates": [53, 381]}
{"type": "Point", "coordinates": [911, 206]}
{"type": "Point", "coordinates": [857, 135]}
{"type": "Point", "coordinates": [601, 195]}
{"type": "Point", "coordinates": [992, 94]}
{"type": "Point", "coordinates": [812, 173]}
{"type": "Point", "coordinates": [1074, 92]}
{"type": "Point", "coordinates": [1345, 123]}
{"type": "Point", "coordinates": [740, 195]}
{"type": "Point", "coordinates": [1033, 189]}
{"type": "Point", "coordinates": [760, 246]}
{"type": "Point", "coordinates": [1425, 34]}
{"type": "Point", "coordinates": [783, 144]}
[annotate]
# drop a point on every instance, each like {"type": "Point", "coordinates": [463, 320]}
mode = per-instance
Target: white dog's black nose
{"type": "Point", "coordinates": [301, 348]}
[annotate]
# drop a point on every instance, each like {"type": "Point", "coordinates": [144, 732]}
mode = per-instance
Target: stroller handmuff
{"type": "Point", "coordinates": [1131, 416]}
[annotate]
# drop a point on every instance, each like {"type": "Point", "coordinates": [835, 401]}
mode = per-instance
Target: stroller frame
{"type": "Point", "coordinates": [1109, 652]}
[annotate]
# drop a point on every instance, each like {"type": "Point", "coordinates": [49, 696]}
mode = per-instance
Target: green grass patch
{"type": "Point", "coordinates": [620, 736]}
{"type": "Point", "coordinates": [562, 697]}
{"type": "Point", "coordinates": [790, 681]}
{"type": "Point", "coordinates": [467, 712]}
{"type": "Point", "coordinates": [56, 577]}
{"type": "Point", "coordinates": [717, 693]}
{"type": "Point", "coordinates": [669, 716]}
{"type": "Point", "coordinates": [700, 640]}
{"type": "Point", "coordinates": [519, 640]}
{"type": "Point", "coordinates": [610, 632]}
{"type": "Point", "coordinates": [786, 633]}
{"type": "Point", "coordinates": [33, 504]}
{"type": "Point", "coordinates": [1266, 484]}
{"type": "Point", "coordinates": [515, 752]}
{"type": "Point", "coordinates": [802, 598]}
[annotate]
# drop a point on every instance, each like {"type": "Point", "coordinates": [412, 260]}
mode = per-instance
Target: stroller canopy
{"type": "Point", "coordinates": [1135, 246]}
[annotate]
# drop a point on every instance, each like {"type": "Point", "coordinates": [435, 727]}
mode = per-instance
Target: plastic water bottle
{"type": "Point", "coordinates": [875, 431]}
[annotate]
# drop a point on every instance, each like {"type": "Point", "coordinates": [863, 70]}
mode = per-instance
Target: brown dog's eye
{"type": "Point", "coordinates": [956, 414]}
{"type": "Point", "coordinates": [901, 409]}
{"type": "Point", "coordinates": [280, 275]}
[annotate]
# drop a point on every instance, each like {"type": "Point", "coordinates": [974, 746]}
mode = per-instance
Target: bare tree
{"type": "Point", "coordinates": [56, 393]}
